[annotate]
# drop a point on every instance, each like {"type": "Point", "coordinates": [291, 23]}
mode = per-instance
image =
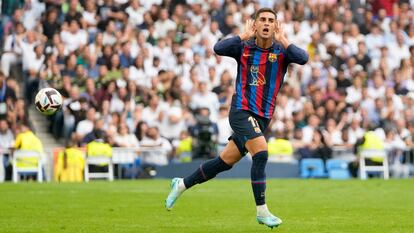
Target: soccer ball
{"type": "Point", "coordinates": [48, 101]}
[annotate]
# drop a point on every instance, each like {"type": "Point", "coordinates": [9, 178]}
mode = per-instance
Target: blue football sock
{"type": "Point", "coordinates": [206, 171]}
{"type": "Point", "coordinates": [258, 177]}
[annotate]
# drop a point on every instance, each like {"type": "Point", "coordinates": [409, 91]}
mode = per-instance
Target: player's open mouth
{"type": "Point", "coordinates": [266, 30]}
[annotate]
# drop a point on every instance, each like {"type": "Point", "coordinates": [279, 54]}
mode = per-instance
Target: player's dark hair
{"type": "Point", "coordinates": [264, 9]}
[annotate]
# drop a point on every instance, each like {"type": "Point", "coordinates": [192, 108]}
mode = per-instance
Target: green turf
{"type": "Point", "coordinates": [217, 206]}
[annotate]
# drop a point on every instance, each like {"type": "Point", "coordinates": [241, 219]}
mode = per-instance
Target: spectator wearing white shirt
{"type": "Point", "coordinates": [135, 13]}
{"type": "Point", "coordinates": [158, 148]}
{"type": "Point", "coordinates": [74, 38]}
{"type": "Point", "coordinates": [172, 123]}
{"type": "Point", "coordinates": [203, 98]}
{"type": "Point", "coordinates": [137, 73]}
{"type": "Point", "coordinates": [224, 129]}
{"type": "Point", "coordinates": [163, 51]}
{"type": "Point", "coordinates": [124, 138]}
{"type": "Point", "coordinates": [398, 51]}
{"type": "Point", "coordinates": [90, 17]}
{"type": "Point", "coordinates": [332, 133]}
{"type": "Point", "coordinates": [27, 45]}
{"type": "Point", "coordinates": [308, 130]}
{"type": "Point", "coordinates": [164, 24]}
{"type": "Point", "coordinates": [355, 131]}
{"type": "Point", "coordinates": [153, 112]}
{"type": "Point", "coordinates": [334, 37]}
{"type": "Point", "coordinates": [12, 51]}
{"type": "Point", "coordinates": [86, 126]}
{"type": "Point", "coordinates": [212, 32]}
{"type": "Point", "coordinates": [377, 89]}
{"type": "Point", "coordinates": [354, 92]}
{"type": "Point", "coordinates": [374, 41]}
{"type": "Point", "coordinates": [109, 35]}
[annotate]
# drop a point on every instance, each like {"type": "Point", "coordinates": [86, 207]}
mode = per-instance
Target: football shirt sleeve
{"type": "Point", "coordinates": [230, 47]}
{"type": "Point", "coordinates": [296, 55]}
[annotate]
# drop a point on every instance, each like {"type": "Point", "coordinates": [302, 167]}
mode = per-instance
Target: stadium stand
{"type": "Point", "coordinates": [127, 68]}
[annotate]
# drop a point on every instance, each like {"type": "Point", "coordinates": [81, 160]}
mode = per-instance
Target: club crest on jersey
{"type": "Point", "coordinates": [272, 57]}
{"type": "Point", "coordinates": [258, 78]}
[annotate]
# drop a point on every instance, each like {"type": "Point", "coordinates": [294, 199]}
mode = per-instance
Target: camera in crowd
{"type": "Point", "coordinates": [204, 134]}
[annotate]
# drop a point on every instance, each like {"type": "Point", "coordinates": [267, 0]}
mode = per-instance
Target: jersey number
{"type": "Point", "coordinates": [253, 121]}
{"type": "Point", "coordinates": [254, 124]}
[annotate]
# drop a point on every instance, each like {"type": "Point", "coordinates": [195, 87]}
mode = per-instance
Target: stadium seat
{"type": "Point", "coordinates": [364, 169]}
{"type": "Point", "coordinates": [125, 158]}
{"type": "Point", "coordinates": [100, 161]}
{"type": "Point", "coordinates": [337, 169]}
{"type": "Point", "coordinates": [23, 167]}
{"type": "Point", "coordinates": [312, 168]}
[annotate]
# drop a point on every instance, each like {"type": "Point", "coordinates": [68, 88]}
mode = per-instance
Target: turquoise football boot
{"type": "Point", "coordinates": [174, 193]}
{"type": "Point", "coordinates": [271, 221]}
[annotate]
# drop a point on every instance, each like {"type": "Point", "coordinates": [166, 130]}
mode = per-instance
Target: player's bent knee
{"type": "Point", "coordinates": [230, 154]}
{"type": "Point", "coordinates": [256, 145]}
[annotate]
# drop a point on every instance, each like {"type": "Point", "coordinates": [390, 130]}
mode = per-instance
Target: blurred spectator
{"type": "Point", "coordinates": [86, 126]}
{"type": "Point", "coordinates": [12, 51]}
{"type": "Point", "coordinates": [70, 164]}
{"type": "Point", "coordinates": [370, 141]}
{"type": "Point", "coordinates": [6, 143]}
{"type": "Point", "coordinates": [224, 129]}
{"type": "Point", "coordinates": [141, 130]}
{"type": "Point", "coordinates": [27, 140]}
{"type": "Point", "coordinates": [7, 96]}
{"type": "Point", "coordinates": [126, 139]}
{"type": "Point", "coordinates": [99, 147]}
{"type": "Point", "coordinates": [158, 148]}
{"type": "Point", "coordinates": [318, 148]}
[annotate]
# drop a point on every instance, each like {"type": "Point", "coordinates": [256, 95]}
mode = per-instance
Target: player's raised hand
{"type": "Point", "coordinates": [280, 34]}
{"type": "Point", "coordinates": [279, 31]}
{"type": "Point", "coordinates": [249, 30]}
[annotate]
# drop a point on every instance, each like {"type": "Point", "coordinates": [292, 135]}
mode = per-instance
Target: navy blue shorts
{"type": "Point", "coordinates": [246, 125]}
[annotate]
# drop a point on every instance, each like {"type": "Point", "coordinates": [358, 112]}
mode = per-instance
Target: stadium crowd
{"type": "Point", "coordinates": [145, 73]}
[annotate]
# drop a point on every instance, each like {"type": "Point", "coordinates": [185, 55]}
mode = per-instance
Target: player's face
{"type": "Point", "coordinates": [265, 25]}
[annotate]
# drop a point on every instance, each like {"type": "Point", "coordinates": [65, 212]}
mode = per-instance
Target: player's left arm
{"type": "Point", "coordinates": [293, 53]}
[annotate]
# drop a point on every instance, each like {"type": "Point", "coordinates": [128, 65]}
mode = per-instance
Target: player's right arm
{"type": "Point", "coordinates": [231, 47]}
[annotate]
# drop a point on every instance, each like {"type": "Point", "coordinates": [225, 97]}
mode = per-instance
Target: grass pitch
{"type": "Point", "coordinates": [217, 206]}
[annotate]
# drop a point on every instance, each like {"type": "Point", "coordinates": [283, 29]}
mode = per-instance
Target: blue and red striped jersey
{"type": "Point", "coordinates": [260, 72]}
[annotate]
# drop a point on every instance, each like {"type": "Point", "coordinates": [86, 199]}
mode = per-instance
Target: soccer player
{"type": "Point", "coordinates": [262, 53]}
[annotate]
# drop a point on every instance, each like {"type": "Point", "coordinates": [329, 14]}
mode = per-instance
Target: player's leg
{"type": "Point", "coordinates": [210, 168]}
{"type": "Point", "coordinates": [258, 149]}
{"type": "Point", "coordinates": [207, 170]}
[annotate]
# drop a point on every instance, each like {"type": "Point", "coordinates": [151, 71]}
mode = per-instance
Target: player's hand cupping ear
{"type": "Point", "coordinates": [280, 34]}
{"type": "Point", "coordinates": [249, 30]}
